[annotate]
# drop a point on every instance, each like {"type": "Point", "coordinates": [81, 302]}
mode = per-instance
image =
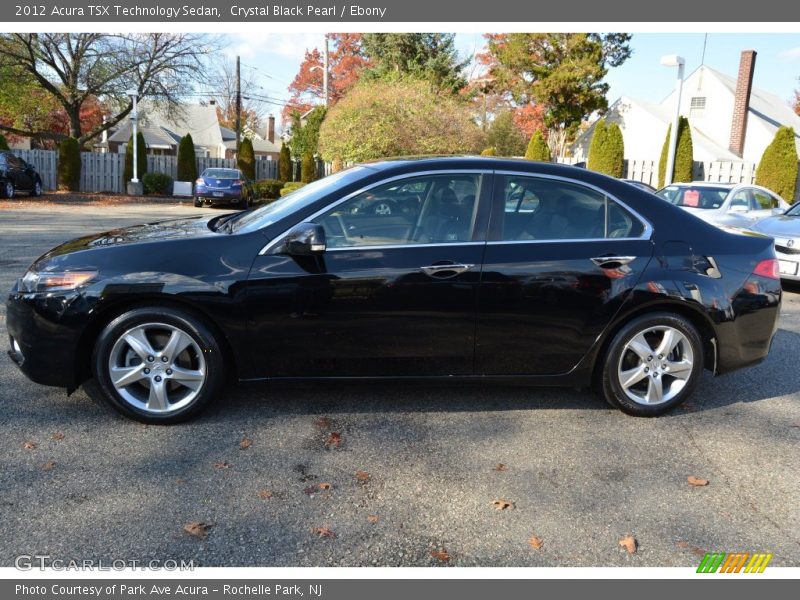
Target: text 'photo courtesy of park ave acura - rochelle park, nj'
{"type": "Point", "coordinates": [275, 298]}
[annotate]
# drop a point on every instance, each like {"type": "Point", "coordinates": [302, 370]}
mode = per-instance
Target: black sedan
{"type": "Point", "coordinates": [222, 186]}
{"type": "Point", "coordinates": [503, 271]}
{"type": "Point", "coordinates": [18, 176]}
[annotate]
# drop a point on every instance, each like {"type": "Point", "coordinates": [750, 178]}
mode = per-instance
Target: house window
{"type": "Point", "coordinates": [698, 106]}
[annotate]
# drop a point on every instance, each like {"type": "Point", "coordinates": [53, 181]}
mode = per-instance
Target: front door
{"type": "Point", "coordinates": [559, 262]}
{"type": "Point", "coordinates": [394, 294]}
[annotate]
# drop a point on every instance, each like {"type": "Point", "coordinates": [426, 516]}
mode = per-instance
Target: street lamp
{"type": "Point", "coordinates": [135, 186]}
{"type": "Point", "coordinates": [673, 60]}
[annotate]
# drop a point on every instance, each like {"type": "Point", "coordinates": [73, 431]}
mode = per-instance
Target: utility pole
{"type": "Point", "coordinates": [238, 107]}
{"type": "Point", "coordinates": [325, 73]}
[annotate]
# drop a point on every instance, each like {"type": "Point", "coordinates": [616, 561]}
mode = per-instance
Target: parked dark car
{"type": "Point", "coordinates": [223, 186]}
{"type": "Point", "coordinates": [18, 176]}
{"type": "Point", "coordinates": [506, 271]}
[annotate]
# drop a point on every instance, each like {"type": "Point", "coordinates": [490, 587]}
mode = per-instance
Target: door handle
{"type": "Point", "coordinates": [445, 270]}
{"type": "Point", "coordinates": [612, 260]}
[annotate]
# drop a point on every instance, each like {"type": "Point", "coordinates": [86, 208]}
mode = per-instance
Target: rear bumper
{"type": "Point", "coordinates": [43, 338]}
{"type": "Point", "coordinates": [218, 196]}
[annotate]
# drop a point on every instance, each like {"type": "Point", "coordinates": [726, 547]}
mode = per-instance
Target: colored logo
{"type": "Point", "coordinates": [736, 562]}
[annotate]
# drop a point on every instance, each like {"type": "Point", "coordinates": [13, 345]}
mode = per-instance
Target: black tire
{"type": "Point", "coordinates": [686, 358]}
{"type": "Point", "coordinates": [8, 189]}
{"type": "Point", "coordinates": [205, 345]}
{"type": "Point", "coordinates": [37, 188]}
{"type": "Point", "coordinates": [198, 203]}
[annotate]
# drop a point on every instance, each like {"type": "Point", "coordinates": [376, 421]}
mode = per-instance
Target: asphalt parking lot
{"type": "Point", "coordinates": [414, 473]}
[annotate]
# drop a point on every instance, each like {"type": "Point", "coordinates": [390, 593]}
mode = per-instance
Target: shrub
{"type": "Point", "coordinates": [505, 137]}
{"type": "Point", "coordinates": [3, 143]}
{"type": "Point", "coordinates": [291, 186]}
{"type": "Point", "coordinates": [308, 168]}
{"type": "Point", "coordinates": [268, 188]}
{"type": "Point", "coordinates": [488, 152]}
{"type": "Point", "coordinates": [187, 160]}
{"type": "Point", "coordinates": [403, 116]}
{"type": "Point", "coordinates": [537, 148]}
{"type": "Point", "coordinates": [141, 159]}
{"type": "Point", "coordinates": [596, 145]}
{"type": "Point", "coordinates": [614, 151]}
{"type": "Point", "coordinates": [246, 159]}
{"type": "Point", "coordinates": [157, 183]}
{"type": "Point", "coordinates": [777, 169]}
{"type": "Point", "coordinates": [69, 165]}
{"type": "Point", "coordinates": [336, 165]}
{"type": "Point", "coordinates": [285, 164]}
{"type": "Point", "coordinates": [684, 155]}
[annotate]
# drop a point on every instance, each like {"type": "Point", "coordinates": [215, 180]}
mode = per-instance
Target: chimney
{"type": "Point", "coordinates": [271, 129]}
{"type": "Point", "coordinates": [741, 101]}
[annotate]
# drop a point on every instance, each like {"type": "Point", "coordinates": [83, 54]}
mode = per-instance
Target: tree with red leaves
{"type": "Point", "coordinates": [346, 61]}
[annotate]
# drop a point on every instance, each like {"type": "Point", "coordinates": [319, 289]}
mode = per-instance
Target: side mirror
{"type": "Point", "coordinates": [777, 211]}
{"type": "Point", "coordinates": [305, 239]}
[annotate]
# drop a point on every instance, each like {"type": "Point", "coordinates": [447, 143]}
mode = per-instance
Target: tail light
{"type": "Point", "coordinates": [238, 182]}
{"type": "Point", "coordinates": [768, 268]}
{"type": "Point", "coordinates": [200, 181]}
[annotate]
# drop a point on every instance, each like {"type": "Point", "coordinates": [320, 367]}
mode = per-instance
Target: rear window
{"type": "Point", "coordinates": [223, 173]}
{"type": "Point", "coordinates": [703, 197]}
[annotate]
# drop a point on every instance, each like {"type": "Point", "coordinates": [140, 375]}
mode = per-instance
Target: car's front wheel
{"type": "Point", "coordinates": [158, 365]}
{"type": "Point", "coordinates": [652, 365]}
{"type": "Point", "coordinates": [37, 188]}
{"type": "Point", "coordinates": [8, 189]}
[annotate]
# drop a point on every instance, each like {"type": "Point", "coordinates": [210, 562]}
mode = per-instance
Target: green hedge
{"type": "Point", "coordinates": [3, 143]}
{"type": "Point", "coordinates": [187, 160]}
{"type": "Point", "coordinates": [246, 159]}
{"type": "Point", "coordinates": [537, 148]}
{"type": "Point", "coordinates": [285, 164]}
{"type": "Point", "coordinates": [291, 186]}
{"type": "Point", "coordinates": [308, 168]}
{"type": "Point", "coordinates": [69, 165]}
{"type": "Point", "coordinates": [157, 183]}
{"type": "Point", "coordinates": [268, 188]}
{"type": "Point", "coordinates": [488, 152]}
{"type": "Point", "coordinates": [777, 169]}
{"type": "Point", "coordinates": [684, 155]}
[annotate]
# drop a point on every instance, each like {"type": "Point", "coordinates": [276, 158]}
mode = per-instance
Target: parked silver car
{"type": "Point", "coordinates": [725, 204]}
{"type": "Point", "coordinates": [785, 230]}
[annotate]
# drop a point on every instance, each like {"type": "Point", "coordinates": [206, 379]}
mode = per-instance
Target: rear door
{"type": "Point", "coordinates": [560, 260]}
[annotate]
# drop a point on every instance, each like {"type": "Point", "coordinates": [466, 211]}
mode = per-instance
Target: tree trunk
{"type": "Point", "coordinates": [74, 114]}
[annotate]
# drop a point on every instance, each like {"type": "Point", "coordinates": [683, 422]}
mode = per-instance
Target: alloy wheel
{"type": "Point", "coordinates": [157, 368]}
{"type": "Point", "coordinates": [9, 189]}
{"type": "Point", "coordinates": [655, 365]}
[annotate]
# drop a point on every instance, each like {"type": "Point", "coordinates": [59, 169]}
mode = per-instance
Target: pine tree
{"type": "Point", "coordinates": [777, 169]}
{"type": "Point", "coordinates": [537, 148]}
{"type": "Point", "coordinates": [246, 159]}
{"type": "Point", "coordinates": [187, 161]}
{"type": "Point", "coordinates": [614, 151]}
{"type": "Point", "coordinates": [596, 161]}
{"type": "Point", "coordinates": [684, 155]}
{"type": "Point", "coordinates": [285, 164]}
{"type": "Point", "coordinates": [308, 168]}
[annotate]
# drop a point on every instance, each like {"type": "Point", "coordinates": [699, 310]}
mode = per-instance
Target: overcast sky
{"type": "Point", "coordinates": [274, 58]}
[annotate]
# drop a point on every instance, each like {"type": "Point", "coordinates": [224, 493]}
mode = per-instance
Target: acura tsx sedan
{"type": "Point", "coordinates": [495, 270]}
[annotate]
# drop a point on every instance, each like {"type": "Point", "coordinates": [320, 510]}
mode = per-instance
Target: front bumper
{"type": "Point", "coordinates": [789, 264]}
{"type": "Point", "coordinates": [44, 332]}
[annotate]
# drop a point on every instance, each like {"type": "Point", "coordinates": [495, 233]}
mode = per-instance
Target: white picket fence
{"type": "Point", "coordinates": [103, 172]}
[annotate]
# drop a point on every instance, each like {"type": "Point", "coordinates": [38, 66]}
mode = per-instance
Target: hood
{"type": "Point", "coordinates": [150, 232]}
{"type": "Point", "coordinates": [780, 226]}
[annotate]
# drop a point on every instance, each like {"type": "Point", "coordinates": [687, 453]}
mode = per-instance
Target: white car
{"type": "Point", "coordinates": [785, 230]}
{"type": "Point", "coordinates": [725, 204]}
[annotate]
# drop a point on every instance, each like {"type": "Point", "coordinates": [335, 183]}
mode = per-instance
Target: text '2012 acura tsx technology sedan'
{"type": "Point", "coordinates": [494, 270]}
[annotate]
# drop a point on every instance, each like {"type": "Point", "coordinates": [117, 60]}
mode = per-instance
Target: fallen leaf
{"type": "Point", "coordinates": [503, 504]}
{"type": "Point", "coordinates": [629, 543]}
{"type": "Point", "coordinates": [48, 465]}
{"type": "Point", "coordinates": [29, 445]}
{"type": "Point", "coordinates": [694, 549]}
{"type": "Point", "coordinates": [221, 464]}
{"type": "Point", "coordinates": [500, 467]}
{"type": "Point", "coordinates": [372, 518]}
{"type": "Point", "coordinates": [264, 494]}
{"type": "Point", "coordinates": [334, 440]}
{"type": "Point", "coordinates": [795, 424]}
{"type": "Point", "coordinates": [324, 532]}
{"type": "Point", "coordinates": [441, 555]}
{"type": "Point", "coordinates": [536, 542]}
{"type": "Point", "coordinates": [57, 436]}
{"type": "Point", "coordinates": [197, 529]}
{"type": "Point", "coordinates": [325, 486]}
{"type": "Point", "coordinates": [323, 423]}
{"type": "Point", "coordinates": [245, 444]}
{"type": "Point", "coordinates": [696, 481]}
{"type": "Point", "coordinates": [362, 476]}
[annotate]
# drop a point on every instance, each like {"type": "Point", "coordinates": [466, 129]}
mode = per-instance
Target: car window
{"type": "Point", "coordinates": [421, 210]}
{"type": "Point", "coordinates": [549, 209]}
{"type": "Point", "coordinates": [694, 196]}
{"type": "Point", "coordinates": [764, 201]}
{"type": "Point", "coordinates": [223, 173]}
{"type": "Point", "coordinates": [15, 162]}
{"type": "Point", "coordinates": [741, 199]}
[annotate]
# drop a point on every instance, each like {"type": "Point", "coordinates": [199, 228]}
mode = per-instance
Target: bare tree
{"type": "Point", "coordinates": [222, 88]}
{"type": "Point", "coordinates": [76, 67]}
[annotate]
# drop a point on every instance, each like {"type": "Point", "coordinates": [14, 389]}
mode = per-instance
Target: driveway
{"type": "Point", "coordinates": [371, 474]}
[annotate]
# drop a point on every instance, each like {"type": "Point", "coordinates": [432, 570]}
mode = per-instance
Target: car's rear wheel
{"type": "Point", "coordinates": [37, 188]}
{"type": "Point", "coordinates": [198, 203]}
{"type": "Point", "coordinates": [652, 365]}
{"type": "Point", "coordinates": [8, 189]}
{"type": "Point", "coordinates": [158, 365]}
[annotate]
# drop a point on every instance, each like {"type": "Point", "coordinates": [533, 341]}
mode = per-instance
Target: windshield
{"type": "Point", "coordinates": [222, 173]}
{"type": "Point", "coordinates": [297, 200]}
{"type": "Point", "coordinates": [794, 211]}
{"type": "Point", "coordinates": [694, 196]}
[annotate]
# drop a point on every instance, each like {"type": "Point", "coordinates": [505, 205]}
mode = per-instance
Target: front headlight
{"type": "Point", "coordinates": [54, 281]}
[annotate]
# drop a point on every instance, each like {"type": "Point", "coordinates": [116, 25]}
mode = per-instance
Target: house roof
{"type": "Point", "coordinates": [163, 129]}
{"type": "Point", "coordinates": [259, 145]}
